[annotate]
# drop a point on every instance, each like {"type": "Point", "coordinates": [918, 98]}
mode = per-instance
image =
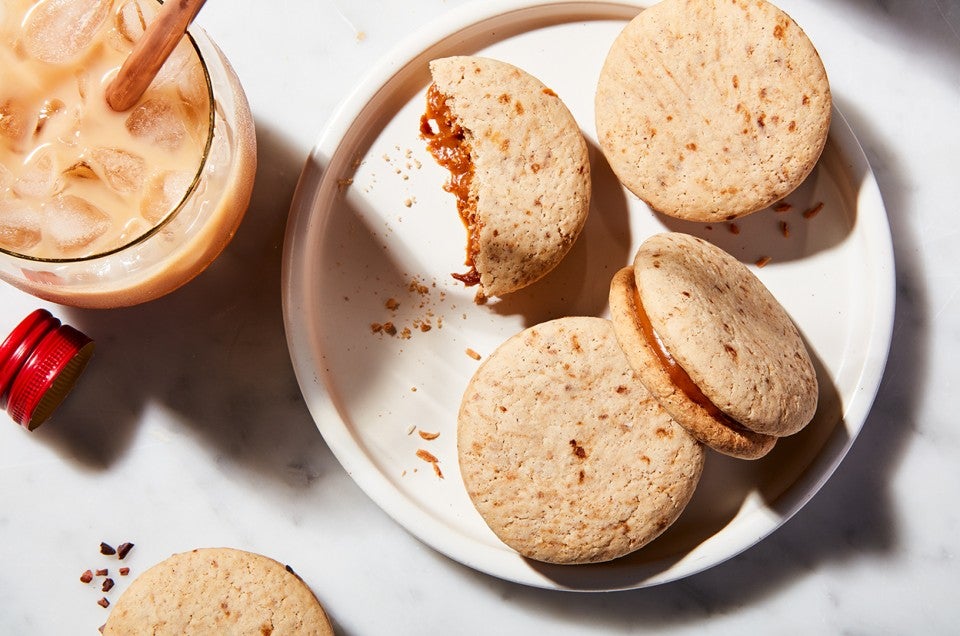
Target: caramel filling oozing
{"type": "Point", "coordinates": [446, 141]}
{"type": "Point", "coordinates": [677, 374]}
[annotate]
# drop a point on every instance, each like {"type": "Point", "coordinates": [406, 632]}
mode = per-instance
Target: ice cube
{"type": "Point", "coordinates": [74, 223]}
{"type": "Point", "coordinates": [132, 230]}
{"type": "Point", "coordinates": [164, 192]}
{"type": "Point", "coordinates": [122, 170]}
{"type": "Point", "coordinates": [14, 122]}
{"type": "Point", "coordinates": [58, 31]}
{"type": "Point", "coordinates": [132, 20]}
{"type": "Point", "coordinates": [50, 109]}
{"type": "Point", "coordinates": [182, 74]}
{"type": "Point", "coordinates": [40, 177]}
{"type": "Point", "coordinates": [20, 225]}
{"type": "Point", "coordinates": [159, 122]}
{"type": "Point", "coordinates": [80, 170]}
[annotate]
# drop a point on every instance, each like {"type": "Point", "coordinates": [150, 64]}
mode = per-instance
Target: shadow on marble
{"type": "Point", "coordinates": [210, 359]}
{"type": "Point", "coordinates": [930, 29]}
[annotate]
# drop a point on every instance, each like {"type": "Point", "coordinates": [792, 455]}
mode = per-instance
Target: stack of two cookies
{"type": "Point", "coordinates": [582, 439]}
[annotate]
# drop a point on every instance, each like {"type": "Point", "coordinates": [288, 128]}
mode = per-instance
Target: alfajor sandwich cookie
{"type": "Point", "coordinates": [713, 345]}
{"type": "Point", "coordinates": [518, 167]}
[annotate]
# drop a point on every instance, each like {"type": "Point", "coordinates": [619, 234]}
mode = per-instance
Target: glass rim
{"type": "Point", "coordinates": [175, 211]}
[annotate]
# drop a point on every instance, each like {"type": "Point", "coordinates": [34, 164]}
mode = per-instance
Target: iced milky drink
{"type": "Point", "coordinates": [99, 208]}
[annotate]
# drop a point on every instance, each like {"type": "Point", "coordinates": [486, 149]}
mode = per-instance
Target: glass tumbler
{"type": "Point", "coordinates": [154, 257]}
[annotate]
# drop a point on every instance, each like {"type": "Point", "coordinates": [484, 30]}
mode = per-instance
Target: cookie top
{"type": "Point", "coordinates": [218, 590]}
{"type": "Point", "coordinates": [530, 186]}
{"type": "Point", "coordinates": [725, 329]}
{"type": "Point", "coordinates": [709, 110]}
{"type": "Point", "coordinates": [704, 423]}
{"type": "Point", "coordinates": [563, 451]}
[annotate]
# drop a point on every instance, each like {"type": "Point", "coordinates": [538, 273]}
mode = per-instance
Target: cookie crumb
{"type": "Point", "coordinates": [123, 550]}
{"type": "Point", "coordinates": [473, 354]}
{"type": "Point", "coordinates": [103, 572]}
{"type": "Point", "coordinates": [107, 585]}
{"type": "Point", "coordinates": [392, 304]}
{"type": "Point", "coordinates": [107, 549]}
{"type": "Point", "coordinates": [124, 571]}
{"type": "Point", "coordinates": [432, 460]}
{"type": "Point", "coordinates": [86, 577]}
{"type": "Point", "coordinates": [417, 286]}
{"type": "Point", "coordinates": [103, 602]}
{"type": "Point", "coordinates": [426, 456]}
{"type": "Point", "coordinates": [814, 211]}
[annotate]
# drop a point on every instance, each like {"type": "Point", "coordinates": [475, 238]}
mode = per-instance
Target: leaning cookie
{"type": "Point", "coordinates": [519, 169]}
{"type": "Point", "coordinates": [564, 453]}
{"type": "Point", "coordinates": [218, 591]}
{"type": "Point", "coordinates": [709, 110]}
{"type": "Point", "coordinates": [713, 345]}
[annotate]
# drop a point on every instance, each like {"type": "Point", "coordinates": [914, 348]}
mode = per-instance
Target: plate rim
{"type": "Point", "coordinates": [409, 515]}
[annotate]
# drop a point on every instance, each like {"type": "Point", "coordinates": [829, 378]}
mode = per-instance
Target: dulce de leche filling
{"type": "Point", "coordinates": [677, 374]}
{"type": "Point", "coordinates": [446, 141]}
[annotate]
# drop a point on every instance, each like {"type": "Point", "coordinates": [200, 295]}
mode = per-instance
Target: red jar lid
{"type": "Point", "coordinates": [40, 362]}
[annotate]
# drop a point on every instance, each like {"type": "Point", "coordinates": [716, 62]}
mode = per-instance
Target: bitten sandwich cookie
{"type": "Point", "coordinates": [709, 110]}
{"type": "Point", "coordinates": [218, 591]}
{"type": "Point", "coordinates": [713, 345]}
{"type": "Point", "coordinates": [564, 453]}
{"type": "Point", "coordinates": [518, 167]}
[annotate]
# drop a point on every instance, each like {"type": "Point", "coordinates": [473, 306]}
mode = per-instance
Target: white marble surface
{"type": "Point", "coordinates": [189, 429]}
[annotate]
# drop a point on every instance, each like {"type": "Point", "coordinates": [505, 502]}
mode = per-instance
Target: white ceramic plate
{"type": "Point", "coordinates": [370, 222]}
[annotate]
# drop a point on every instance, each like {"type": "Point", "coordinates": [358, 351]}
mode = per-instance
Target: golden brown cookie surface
{"type": "Point", "coordinates": [563, 451]}
{"type": "Point", "coordinates": [733, 341]}
{"type": "Point", "coordinates": [218, 591]}
{"type": "Point", "coordinates": [711, 110]}
{"type": "Point", "coordinates": [528, 191]}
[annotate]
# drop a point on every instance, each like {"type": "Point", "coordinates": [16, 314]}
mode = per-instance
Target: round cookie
{"type": "Point", "coordinates": [709, 110]}
{"type": "Point", "coordinates": [218, 590]}
{"type": "Point", "coordinates": [522, 172]}
{"type": "Point", "coordinates": [715, 432]}
{"type": "Point", "coordinates": [564, 453]}
{"type": "Point", "coordinates": [745, 376]}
